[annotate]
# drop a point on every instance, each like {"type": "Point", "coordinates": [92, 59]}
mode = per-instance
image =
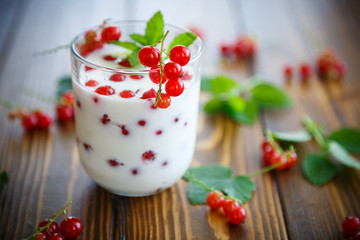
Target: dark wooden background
{"type": "Point", "coordinates": [45, 172]}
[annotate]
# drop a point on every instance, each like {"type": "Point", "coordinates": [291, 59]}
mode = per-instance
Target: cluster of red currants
{"type": "Point", "coordinates": [273, 155]}
{"type": "Point", "coordinates": [65, 107]}
{"type": "Point", "coordinates": [92, 41]}
{"type": "Point", "coordinates": [351, 227]}
{"type": "Point", "coordinates": [70, 228]}
{"type": "Point", "coordinates": [35, 120]}
{"type": "Point", "coordinates": [244, 47]}
{"type": "Point", "coordinates": [328, 66]}
{"type": "Point", "coordinates": [169, 73]}
{"type": "Point", "coordinates": [216, 200]}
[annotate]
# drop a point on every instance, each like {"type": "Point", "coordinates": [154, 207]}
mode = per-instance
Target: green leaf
{"type": "Point", "coordinates": [237, 104]}
{"type": "Point", "coordinates": [4, 178]}
{"type": "Point", "coordinates": [185, 39]}
{"type": "Point", "coordinates": [206, 84]}
{"type": "Point", "coordinates": [219, 178]}
{"type": "Point", "coordinates": [340, 154]}
{"type": "Point", "coordinates": [129, 45]}
{"type": "Point", "coordinates": [221, 84]}
{"type": "Point", "coordinates": [349, 138]}
{"type": "Point", "coordinates": [155, 28]}
{"type": "Point", "coordinates": [64, 84]}
{"type": "Point", "coordinates": [248, 116]}
{"type": "Point", "coordinates": [318, 169]}
{"type": "Point", "coordinates": [293, 136]}
{"type": "Point", "coordinates": [134, 57]}
{"type": "Point", "coordinates": [213, 106]}
{"type": "Point", "coordinates": [268, 95]}
{"type": "Point", "coordinates": [140, 39]}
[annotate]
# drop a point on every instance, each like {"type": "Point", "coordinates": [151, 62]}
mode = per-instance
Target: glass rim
{"type": "Point", "coordinates": [131, 71]}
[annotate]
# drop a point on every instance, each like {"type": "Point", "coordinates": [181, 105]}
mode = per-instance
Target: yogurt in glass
{"type": "Point", "coordinates": [125, 144]}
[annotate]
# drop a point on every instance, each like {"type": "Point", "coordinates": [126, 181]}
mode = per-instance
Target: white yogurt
{"type": "Point", "coordinates": [126, 145]}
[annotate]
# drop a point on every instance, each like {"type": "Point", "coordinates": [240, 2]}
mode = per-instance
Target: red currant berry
{"type": "Point", "coordinates": [90, 35]}
{"type": "Point", "coordinates": [111, 33]}
{"type": "Point", "coordinates": [265, 144]}
{"type": "Point", "coordinates": [155, 76]}
{"type": "Point", "coordinates": [172, 70]}
{"type": "Point", "coordinates": [117, 77]}
{"type": "Point", "coordinates": [64, 113]}
{"type": "Point", "coordinates": [268, 154]}
{"type": "Point", "coordinates": [136, 77]}
{"type": "Point", "coordinates": [215, 199]}
{"type": "Point", "coordinates": [149, 94]}
{"type": "Point", "coordinates": [356, 236]}
{"type": "Point", "coordinates": [149, 56]}
{"type": "Point", "coordinates": [109, 58]}
{"type": "Point", "coordinates": [174, 87]}
{"type": "Point", "coordinates": [228, 205]}
{"type": "Point", "coordinates": [180, 54]}
{"type": "Point", "coordinates": [71, 227]}
{"type": "Point", "coordinates": [291, 158]}
{"type": "Point", "coordinates": [127, 94]}
{"type": "Point", "coordinates": [148, 156]}
{"type": "Point", "coordinates": [68, 98]}
{"type": "Point", "coordinates": [227, 50]}
{"type": "Point", "coordinates": [91, 83]}
{"type": "Point", "coordinates": [164, 101]}
{"type": "Point", "coordinates": [105, 90]}
{"type": "Point", "coordinates": [52, 229]}
{"type": "Point", "coordinates": [56, 236]}
{"type": "Point", "coordinates": [351, 225]}
{"type": "Point", "coordinates": [278, 159]}
{"type": "Point", "coordinates": [288, 72]}
{"type": "Point", "coordinates": [244, 47]}
{"type": "Point", "coordinates": [30, 122]}
{"type": "Point", "coordinates": [237, 215]}
{"type": "Point", "coordinates": [305, 71]}
{"type": "Point", "coordinates": [44, 121]}
{"type": "Point", "coordinates": [41, 236]}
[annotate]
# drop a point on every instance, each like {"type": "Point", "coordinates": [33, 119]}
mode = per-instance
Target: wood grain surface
{"type": "Point", "coordinates": [44, 168]}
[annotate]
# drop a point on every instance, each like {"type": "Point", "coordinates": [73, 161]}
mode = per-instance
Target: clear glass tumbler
{"type": "Point", "coordinates": [125, 144]}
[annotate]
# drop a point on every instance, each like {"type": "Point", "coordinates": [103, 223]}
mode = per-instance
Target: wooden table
{"type": "Point", "coordinates": [44, 169]}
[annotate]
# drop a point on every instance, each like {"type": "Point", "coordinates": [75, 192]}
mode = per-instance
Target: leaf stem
{"type": "Point", "coordinates": [51, 220]}
{"type": "Point", "coordinates": [314, 130]}
{"type": "Point", "coordinates": [266, 169]}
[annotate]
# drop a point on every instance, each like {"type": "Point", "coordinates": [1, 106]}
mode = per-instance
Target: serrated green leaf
{"type": "Point", "coordinates": [219, 178]}
{"type": "Point", "coordinates": [63, 85]}
{"type": "Point", "coordinates": [185, 39]}
{"type": "Point", "coordinates": [206, 84]}
{"type": "Point", "coordinates": [343, 156]}
{"type": "Point", "coordinates": [155, 28]}
{"type": "Point", "coordinates": [4, 178]}
{"type": "Point", "coordinates": [270, 96]}
{"type": "Point", "coordinates": [293, 136]}
{"type": "Point", "coordinates": [139, 39]}
{"type": "Point", "coordinates": [248, 116]}
{"type": "Point", "coordinates": [128, 45]}
{"type": "Point", "coordinates": [318, 169]}
{"type": "Point", "coordinates": [213, 106]}
{"type": "Point", "coordinates": [349, 138]}
{"type": "Point", "coordinates": [221, 84]}
{"type": "Point", "coordinates": [134, 57]}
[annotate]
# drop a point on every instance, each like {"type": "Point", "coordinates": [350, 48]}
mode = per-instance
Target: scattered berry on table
{"type": "Point", "coordinates": [64, 113]}
{"type": "Point", "coordinates": [288, 72]}
{"type": "Point", "coordinates": [71, 227]}
{"type": "Point", "coordinates": [215, 199]}
{"type": "Point", "coordinates": [237, 215]}
{"type": "Point", "coordinates": [351, 225]}
{"type": "Point", "coordinates": [329, 66]}
{"type": "Point", "coordinates": [305, 71]}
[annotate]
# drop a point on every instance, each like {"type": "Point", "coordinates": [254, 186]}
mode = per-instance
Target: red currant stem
{"type": "Point", "coordinates": [272, 141]}
{"type": "Point", "coordinates": [158, 98]}
{"type": "Point", "coordinates": [266, 169]}
{"type": "Point", "coordinates": [52, 50]}
{"type": "Point", "coordinates": [207, 188]}
{"type": "Point", "coordinates": [51, 220]}
{"type": "Point", "coordinates": [315, 130]}
{"type": "Point", "coordinates": [40, 96]}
